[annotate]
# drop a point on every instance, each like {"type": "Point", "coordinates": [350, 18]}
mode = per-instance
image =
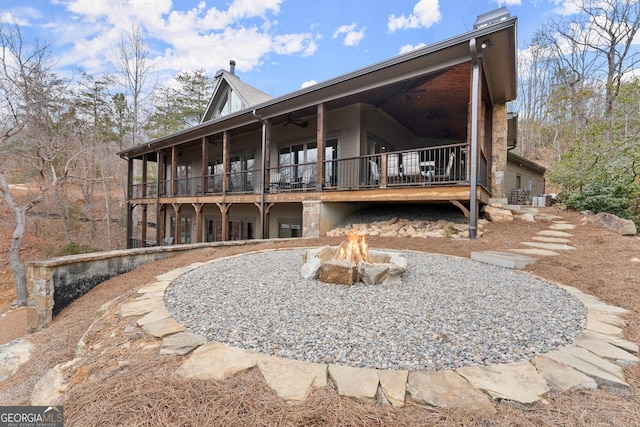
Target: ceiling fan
{"type": "Point", "coordinates": [298, 122]}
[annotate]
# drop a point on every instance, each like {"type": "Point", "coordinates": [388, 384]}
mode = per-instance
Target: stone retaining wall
{"type": "Point", "coordinates": [53, 284]}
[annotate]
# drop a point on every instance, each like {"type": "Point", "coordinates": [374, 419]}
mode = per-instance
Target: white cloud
{"type": "Point", "coordinates": [409, 47]}
{"type": "Point", "coordinates": [21, 16]}
{"type": "Point", "coordinates": [200, 37]}
{"type": "Point", "coordinates": [508, 2]}
{"type": "Point", "coordinates": [425, 14]}
{"type": "Point", "coordinates": [308, 83]}
{"type": "Point", "coordinates": [352, 37]}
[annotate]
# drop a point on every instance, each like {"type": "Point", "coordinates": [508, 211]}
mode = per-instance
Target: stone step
{"type": "Point", "coordinates": [503, 259]}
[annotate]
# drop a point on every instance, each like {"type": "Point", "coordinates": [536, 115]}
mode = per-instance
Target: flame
{"type": "Point", "coordinates": [354, 249]}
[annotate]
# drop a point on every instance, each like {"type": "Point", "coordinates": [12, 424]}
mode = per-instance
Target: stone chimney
{"type": "Point", "coordinates": [232, 67]}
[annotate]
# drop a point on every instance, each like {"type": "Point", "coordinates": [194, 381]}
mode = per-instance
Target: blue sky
{"type": "Point", "coordinates": [278, 45]}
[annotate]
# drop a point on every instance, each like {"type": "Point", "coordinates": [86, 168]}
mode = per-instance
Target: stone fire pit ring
{"type": "Point", "coordinates": [447, 312]}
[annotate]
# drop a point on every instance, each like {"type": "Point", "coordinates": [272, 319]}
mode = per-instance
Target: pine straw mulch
{"type": "Point", "coordinates": [121, 379]}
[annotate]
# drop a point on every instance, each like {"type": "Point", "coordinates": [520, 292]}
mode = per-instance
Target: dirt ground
{"type": "Point", "coordinates": [122, 380]}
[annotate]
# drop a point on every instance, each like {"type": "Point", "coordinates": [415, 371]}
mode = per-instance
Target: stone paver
{"type": "Point", "coordinates": [181, 343]}
{"type": "Point", "coordinates": [603, 328]}
{"type": "Point", "coordinates": [549, 246]}
{"type": "Point", "coordinates": [536, 252]}
{"type": "Point", "coordinates": [394, 386]}
{"type": "Point", "coordinates": [292, 380]}
{"type": "Point", "coordinates": [217, 361]}
{"type": "Point", "coordinates": [150, 295]}
{"type": "Point", "coordinates": [445, 389]}
{"type": "Point", "coordinates": [629, 346]}
{"type": "Point", "coordinates": [154, 316]}
{"type": "Point", "coordinates": [593, 370]}
{"type": "Point", "coordinates": [518, 382]}
{"type": "Point", "coordinates": [613, 319]}
{"type": "Point", "coordinates": [358, 383]}
{"type": "Point", "coordinates": [138, 308]}
{"type": "Point", "coordinates": [554, 233]}
{"type": "Point", "coordinates": [546, 239]}
{"type": "Point", "coordinates": [163, 327]}
{"type": "Point", "coordinates": [561, 226]}
{"type": "Point", "coordinates": [158, 286]}
{"type": "Point", "coordinates": [606, 350]}
{"type": "Point", "coordinates": [560, 376]}
{"type": "Point", "coordinates": [503, 259]}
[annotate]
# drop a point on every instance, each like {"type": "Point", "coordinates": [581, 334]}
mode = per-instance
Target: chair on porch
{"type": "Point", "coordinates": [374, 172]}
{"type": "Point", "coordinates": [393, 168]}
{"type": "Point", "coordinates": [305, 180]}
{"type": "Point", "coordinates": [445, 174]}
{"type": "Point", "coordinates": [411, 164]}
{"type": "Point", "coordinates": [274, 179]}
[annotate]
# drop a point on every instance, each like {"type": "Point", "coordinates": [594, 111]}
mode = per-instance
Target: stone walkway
{"type": "Point", "coordinates": [594, 359]}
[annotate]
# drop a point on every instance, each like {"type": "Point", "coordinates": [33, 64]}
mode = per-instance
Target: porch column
{"type": "Point", "coordinates": [174, 170]}
{"type": "Point", "coordinates": [130, 225]}
{"type": "Point", "coordinates": [177, 207]}
{"type": "Point", "coordinates": [224, 208]}
{"type": "Point", "coordinates": [161, 175]}
{"type": "Point", "coordinates": [205, 164]}
{"type": "Point", "coordinates": [320, 141]}
{"type": "Point", "coordinates": [143, 231]}
{"type": "Point", "coordinates": [130, 207]}
{"type": "Point", "coordinates": [225, 163]}
{"type": "Point", "coordinates": [197, 207]}
{"type": "Point", "coordinates": [475, 110]}
{"type": "Point", "coordinates": [143, 182]}
{"type": "Point", "coordinates": [499, 150]}
{"type": "Point", "coordinates": [311, 218]}
{"type": "Point", "coordinates": [267, 154]}
{"type": "Point", "coordinates": [161, 225]}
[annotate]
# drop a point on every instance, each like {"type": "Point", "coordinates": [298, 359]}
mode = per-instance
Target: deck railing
{"type": "Point", "coordinates": [442, 165]}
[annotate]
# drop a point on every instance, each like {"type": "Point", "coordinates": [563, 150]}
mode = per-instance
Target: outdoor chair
{"type": "Point", "coordinates": [274, 179]}
{"type": "Point", "coordinates": [305, 180]}
{"type": "Point", "coordinates": [374, 172]}
{"type": "Point", "coordinates": [444, 175]}
{"type": "Point", "coordinates": [411, 164]}
{"type": "Point", "coordinates": [393, 168]}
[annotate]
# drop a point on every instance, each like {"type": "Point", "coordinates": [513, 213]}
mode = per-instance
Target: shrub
{"type": "Point", "coordinates": [619, 198]}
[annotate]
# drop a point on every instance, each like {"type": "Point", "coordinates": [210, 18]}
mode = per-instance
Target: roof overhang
{"type": "Point", "coordinates": [498, 62]}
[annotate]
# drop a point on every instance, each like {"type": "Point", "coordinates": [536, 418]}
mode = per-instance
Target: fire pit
{"type": "Point", "coordinates": [351, 262]}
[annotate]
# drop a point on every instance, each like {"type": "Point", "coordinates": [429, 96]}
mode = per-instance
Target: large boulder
{"type": "Point", "coordinates": [496, 213]}
{"type": "Point", "coordinates": [624, 227]}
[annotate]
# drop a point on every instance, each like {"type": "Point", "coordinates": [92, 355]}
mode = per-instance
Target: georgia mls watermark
{"type": "Point", "coordinates": [31, 416]}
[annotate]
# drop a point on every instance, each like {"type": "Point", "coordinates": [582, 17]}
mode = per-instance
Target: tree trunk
{"type": "Point", "coordinates": [64, 214]}
{"type": "Point", "coordinates": [19, 273]}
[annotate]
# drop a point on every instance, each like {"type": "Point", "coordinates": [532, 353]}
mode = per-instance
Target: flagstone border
{"type": "Point", "coordinates": [593, 359]}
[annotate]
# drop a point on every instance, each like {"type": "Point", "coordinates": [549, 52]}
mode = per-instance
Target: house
{"type": "Point", "coordinates": [524, 179]}
{"type": "Point", "coordinates": [428, 126]}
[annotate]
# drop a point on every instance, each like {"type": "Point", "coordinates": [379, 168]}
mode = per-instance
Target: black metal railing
{"type": "Point", "coordinates": [442, 165]}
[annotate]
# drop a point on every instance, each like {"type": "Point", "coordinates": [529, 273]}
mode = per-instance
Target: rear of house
{"type": "Point", "coordinates": [429, 126]}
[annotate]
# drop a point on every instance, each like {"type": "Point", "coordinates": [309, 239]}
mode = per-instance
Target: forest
{"type": "Point", "coordinates": [578, 107]}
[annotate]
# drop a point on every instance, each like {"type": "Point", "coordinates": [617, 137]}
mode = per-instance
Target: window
{"type": "Point", "coordinates": [289, 228]}
{"type": "Point", "coordinates": [306, 153]}
{"type": "Point", "coordinates": [229, 103]}
{"type": "Point", "coordinates": [184, 173]}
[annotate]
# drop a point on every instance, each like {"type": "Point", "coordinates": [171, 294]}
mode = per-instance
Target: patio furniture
{"type": "Point", "coordinates": [274, 179]}
{"type": "Point", "coordinates": [393, 168]}
{"type": "Point", "coordinates": [443, 175]}
{"type": "Point", "coordinates": [305, 180]}
{"type": "Point", "coordinates": [411, 164]}
{"type": "Point", "coordinates": [374, 172]}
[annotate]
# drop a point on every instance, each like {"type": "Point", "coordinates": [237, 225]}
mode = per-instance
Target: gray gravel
{"type": "Point", "coordinates": [448, 312]}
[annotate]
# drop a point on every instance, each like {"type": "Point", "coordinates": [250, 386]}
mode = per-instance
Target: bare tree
{"type": "Point", "coordinates": [30, 148]}
{"type": "Point", "coordinates": [131, 59]}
